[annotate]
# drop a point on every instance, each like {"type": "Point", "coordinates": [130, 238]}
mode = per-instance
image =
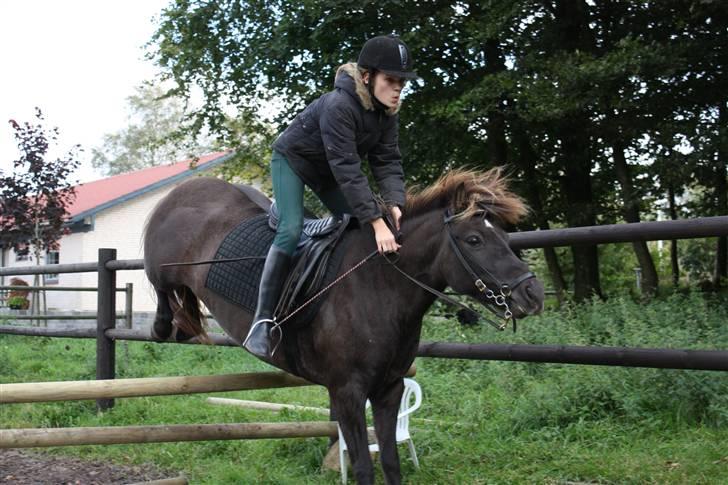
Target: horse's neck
{"type": "Point", "coordinates": [418, 257]}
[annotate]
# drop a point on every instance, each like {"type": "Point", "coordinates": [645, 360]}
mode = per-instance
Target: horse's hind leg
{"type": "Point", "coordinates": [385, 408]}
{"type": "Point", "coordinates": [349, 405]}
{"type": "Point", "coordinates": [162, 327]}
{"type": "Point", "coordinates": [186, 308]}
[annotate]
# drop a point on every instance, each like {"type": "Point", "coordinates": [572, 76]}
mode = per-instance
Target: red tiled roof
{"type": "Point", "coordinates": [93, 194]}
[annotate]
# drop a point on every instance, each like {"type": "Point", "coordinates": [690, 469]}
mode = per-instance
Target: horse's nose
{"type": "Point", "coordinates": [528, 298]}
{"type": "Point", "coordinates": [534, 292]}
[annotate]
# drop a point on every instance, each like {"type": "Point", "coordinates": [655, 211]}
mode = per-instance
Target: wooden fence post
{"type": "Point", "coordinates": [106, 319]}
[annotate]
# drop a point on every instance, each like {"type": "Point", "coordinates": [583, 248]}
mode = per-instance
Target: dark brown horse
{"type": "Point", "coordinates": [365, 335]}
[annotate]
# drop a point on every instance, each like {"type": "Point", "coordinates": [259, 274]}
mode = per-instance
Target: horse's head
{"type": "Point", "coordinates": [474, 254]}
{"type": "Point", "coordinates": [483, 265]}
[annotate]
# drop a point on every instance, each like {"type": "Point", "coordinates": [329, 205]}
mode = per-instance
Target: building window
{"type": "Point", "coordinates": [22, 257]}
{"type": "Point", "coordinates": [52, 257]}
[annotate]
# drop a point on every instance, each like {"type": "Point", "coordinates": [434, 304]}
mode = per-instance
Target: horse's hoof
{"type": "Point", "coordinates": [157, 337]}
{"type": "Point", "coordinates": [181, 336]}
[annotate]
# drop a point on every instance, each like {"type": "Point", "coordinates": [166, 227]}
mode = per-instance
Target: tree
{"type": "Point", "coordinates": [720, 273]}
{"type": "Point", "coordinates": [154, 134]}
{"type": "Point", "coordinates": [564, 91]}
{"type": "Point", "coordinates": [34, 197]}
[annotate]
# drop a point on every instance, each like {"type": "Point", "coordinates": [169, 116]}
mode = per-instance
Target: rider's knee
{"type": "Point", "coordinates": [288, 235]}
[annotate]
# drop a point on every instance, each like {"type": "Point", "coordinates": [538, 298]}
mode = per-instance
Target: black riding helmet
{"type": "Point", "coordinates": [387, 54]}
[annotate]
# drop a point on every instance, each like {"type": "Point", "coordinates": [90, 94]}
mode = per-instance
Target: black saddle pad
{"type": "Point", "coordinates": [238, 281]}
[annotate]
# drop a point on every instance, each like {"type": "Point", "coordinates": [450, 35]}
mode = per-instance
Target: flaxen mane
{"type": "Point", "coordinates": [466, 192]}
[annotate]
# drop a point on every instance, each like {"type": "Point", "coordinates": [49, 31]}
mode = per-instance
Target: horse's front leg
{"type": "Point", "coordinates": [348, 404]}
{"type": "Point", "coordinates": [385, 407]}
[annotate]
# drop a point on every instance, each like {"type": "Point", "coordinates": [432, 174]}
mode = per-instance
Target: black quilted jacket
{"type": "Point", "coordinates": [326, 142]}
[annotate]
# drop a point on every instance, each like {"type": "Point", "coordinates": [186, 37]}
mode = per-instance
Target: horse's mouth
{"type": "Point", "coordinates": [523, 302]}
{"type": "Point", "coordinates": [528, 300]}
{"type": "Point", "coordinates": [520, 312]}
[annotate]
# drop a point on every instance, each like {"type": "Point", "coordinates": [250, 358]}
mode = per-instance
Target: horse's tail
{"type": "Point", "coordinates": [188, 314]}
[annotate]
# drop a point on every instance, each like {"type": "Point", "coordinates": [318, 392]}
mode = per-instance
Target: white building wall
{"type": "Point", "coordinates": [54, 299]}
{"type": "Point", "coordinates": [118, 227]}
{"type": "Point", "coordinates": [11, 262]}
{"type": "Point", "coordinates": [70, 251]}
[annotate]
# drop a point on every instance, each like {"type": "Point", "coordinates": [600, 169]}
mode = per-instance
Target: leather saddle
{"type": "Point", "coordinates": [312, 262]}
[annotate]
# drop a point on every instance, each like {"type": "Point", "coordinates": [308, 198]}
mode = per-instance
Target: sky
{"type": "Point", "coordinates": [78, 61]}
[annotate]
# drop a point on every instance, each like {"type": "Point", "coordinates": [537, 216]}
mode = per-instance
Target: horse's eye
{"type": "Point", "coordinates": [473, 240]}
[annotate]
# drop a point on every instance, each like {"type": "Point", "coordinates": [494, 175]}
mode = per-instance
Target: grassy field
{"type": "Point", "coordinates": [501, 422]}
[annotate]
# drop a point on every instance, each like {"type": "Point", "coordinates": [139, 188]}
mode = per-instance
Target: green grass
{"type": "Point", "coordinates": [501, 422]}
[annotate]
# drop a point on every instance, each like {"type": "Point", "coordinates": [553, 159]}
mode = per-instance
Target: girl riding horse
{"type": "Point", "coordinates": [323, 148]}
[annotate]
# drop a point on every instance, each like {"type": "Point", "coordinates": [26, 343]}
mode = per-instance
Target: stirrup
{"type": "Point", "coordinates": [276, 326]}
{"type": "Point", "coordinates": [255, 324]}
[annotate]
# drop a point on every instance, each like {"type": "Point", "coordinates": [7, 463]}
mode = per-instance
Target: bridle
{"type": "Point", "coordinates": [478, 273]}
{"type": "Point", "coordinates": [489, 296]}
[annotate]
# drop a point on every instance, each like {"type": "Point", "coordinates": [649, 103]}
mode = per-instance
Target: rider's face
{"type": "Point", "coordinates": [387, 89]}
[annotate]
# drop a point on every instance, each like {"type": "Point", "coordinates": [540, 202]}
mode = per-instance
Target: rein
{"type": "Point", "coordinates": [442, 296]}
{"type": "Point", "coordinates": [498, 300]}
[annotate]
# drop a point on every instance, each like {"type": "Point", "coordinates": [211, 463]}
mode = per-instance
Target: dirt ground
{"type": "Point", "coordinates": [28, 467]}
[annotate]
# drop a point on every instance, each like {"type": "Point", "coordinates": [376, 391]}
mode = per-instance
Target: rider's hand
{"type": "Point", "coordinates": [385, 239]}
{"type": "Point", "coordinates": [396, 215]}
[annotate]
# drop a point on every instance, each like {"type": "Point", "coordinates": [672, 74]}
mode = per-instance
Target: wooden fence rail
{"type": "Point", "coordinates": [53, 288]}
{"type": "Point", "coordinates": [115, 435]}
{"type": "Point", "coordinates": [147, 386]}
{"type": "Point", "coordinates": [693, 359]}
{"type": "Point", "coordinates": [612, 233]}
{"type": "Point", "coordinates": [107, 265]}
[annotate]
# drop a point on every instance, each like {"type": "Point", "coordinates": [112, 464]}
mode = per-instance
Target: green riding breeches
{"type": "Point", "coordinates": [288, 192]}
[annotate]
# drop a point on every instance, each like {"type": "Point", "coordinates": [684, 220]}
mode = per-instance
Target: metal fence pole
{"type": "Point", "coordinates": [128, 308]}
{"type": "Point", "coordinates": [128, 323]}
{"type": "Point", "coordinates": [106, 319]}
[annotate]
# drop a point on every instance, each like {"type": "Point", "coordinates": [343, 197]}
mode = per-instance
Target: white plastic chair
{"type": "Point", "coordinates": [411, 389]}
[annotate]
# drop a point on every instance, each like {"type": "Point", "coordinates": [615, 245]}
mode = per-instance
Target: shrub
{"type": "Point", "coordinates": [18, 282]}
{"type": "Point", "coordinates": [18, 303]}
{"type": "Point", "coordinates": [556, 396]}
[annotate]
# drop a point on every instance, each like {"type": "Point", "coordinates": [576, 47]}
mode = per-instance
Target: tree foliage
{"type": "Point", "coordinates": [602, 110]}
{"type": "Point", "coordinates": [154, 134]}
{"type": "Point", "coordinates": [34, 197]}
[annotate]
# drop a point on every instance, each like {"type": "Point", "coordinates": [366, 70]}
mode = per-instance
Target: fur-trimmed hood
{"type": "Point", "coordinates": [361, 90]}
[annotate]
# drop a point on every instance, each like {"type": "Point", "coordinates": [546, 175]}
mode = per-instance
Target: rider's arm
{"type": "Point", "coordinates": [385, 161]}
{"type": "Point", "coordinates": [338, 132]}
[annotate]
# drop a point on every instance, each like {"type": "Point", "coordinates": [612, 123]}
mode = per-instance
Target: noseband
{"type": "Point", "coordinates": [479, 273]}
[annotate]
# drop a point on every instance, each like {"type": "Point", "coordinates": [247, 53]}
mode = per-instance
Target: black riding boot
{"type": "Point", "coordinates": [274, 275]}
